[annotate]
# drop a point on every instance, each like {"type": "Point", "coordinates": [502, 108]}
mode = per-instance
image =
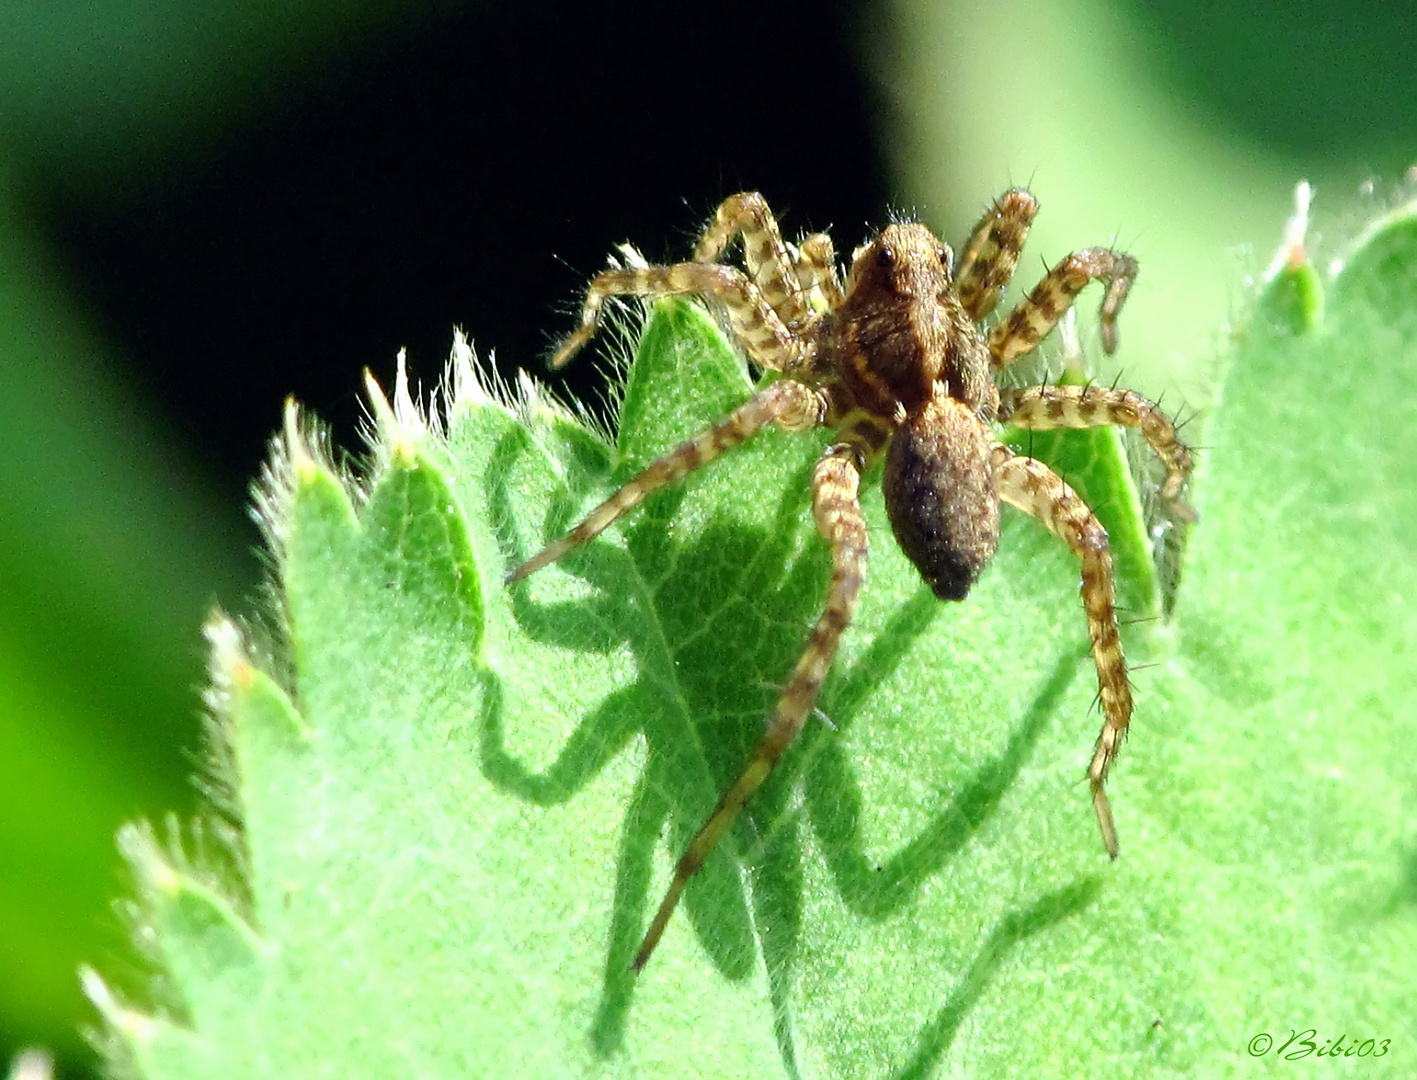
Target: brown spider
{"type": "Point", "coordinates": [897, 365]}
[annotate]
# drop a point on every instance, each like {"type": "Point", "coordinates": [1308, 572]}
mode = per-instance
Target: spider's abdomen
{"type": "Point", "coordinates": [942, 495]}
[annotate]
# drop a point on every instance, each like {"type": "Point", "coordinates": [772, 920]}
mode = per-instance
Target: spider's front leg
{"type": "Point", "coordinates": [757, 326]}
{"type": "Point", "coordinates": [1040, 310]}
{"type": "Point", "coordinates": [1035, 489]}
{"type": "Point", "coordinates": [992, 251]}
{"type": "Point", "coordinates": [835, 505]}
{"type": "Point", "coordinates": [1040, 408]}
{"type": "Point", "coordinates": [791, 405]}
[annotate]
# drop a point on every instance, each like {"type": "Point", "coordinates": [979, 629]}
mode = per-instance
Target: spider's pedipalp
{"type": "Point", "coordinates": [992, 252]}
{"type": "Point", "coordinates": [789, 404]}
{"type": "Point", "coordinates": [817, 274]}
{"type": "Point", "coordinates": [1040, 310]}
{"type": "Point", "coordinates": [755, 323]}
{"type": "Point", "coordinates": [1039, 408]}
{"type": "Point", "coordinates": [1035, 489]}
{"type": "Point", "coordinates": [836, 484]}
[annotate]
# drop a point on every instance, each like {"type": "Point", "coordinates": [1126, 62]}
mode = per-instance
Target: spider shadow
{"type": "Point", "coordinates": [680, 782]}
{"type": "Point", "coordinates": [835, 807]}
{"type": "Point", "coordinates": [875, 891]}
{"type": "Point", "coordinates": [937, 1036]}
{"type": "Point", "coordinates": [715, 707]}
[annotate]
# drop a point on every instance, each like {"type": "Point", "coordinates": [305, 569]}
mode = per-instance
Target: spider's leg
{"type": "Point", "coordinates": [1038, 491]}
{"type": "Point", "coordinates": [835, 484]}
{"type": "Point", "coordinates": [1039, 408]}
{"type": "Point", "coordinates": [790, 405]}
{"type": "Point", "coordinates": [987, 262]}
{"type": "Point", "coordinates": [767, 258]}
{"type": "Point", "coordinates": [1041, 309]}
{"type": "Point", "coordinates": [757, 326]}
{"type": "Point", "coordinates": [817, 275]}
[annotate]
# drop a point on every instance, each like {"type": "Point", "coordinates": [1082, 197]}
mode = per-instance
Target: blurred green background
{"type": "Point", "coordinates": [204, 207]}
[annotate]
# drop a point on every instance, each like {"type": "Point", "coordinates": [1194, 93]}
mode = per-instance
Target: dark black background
{"type": "Point", "coordinates": [474, 175]}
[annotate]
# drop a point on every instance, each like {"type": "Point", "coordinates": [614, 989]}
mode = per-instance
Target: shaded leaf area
{"type": "Point", "coordinates": [462, 801]}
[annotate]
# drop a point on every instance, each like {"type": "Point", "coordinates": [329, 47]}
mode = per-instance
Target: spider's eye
{"type": "Point", "coordinates": [885, 257]}
{"type": "Point", "coordinates": [946, 256]}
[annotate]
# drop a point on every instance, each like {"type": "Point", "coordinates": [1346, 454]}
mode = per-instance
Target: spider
{"type": "Point", "coordinates": [896, 362]}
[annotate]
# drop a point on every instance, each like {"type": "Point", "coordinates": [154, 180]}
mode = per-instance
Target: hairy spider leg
{"type": "Point", "coordinates": [836, 483]}
{"type": "Point", "coordinates": [992, 251]}
{"type": "Point", "coordinates": [1039, 408]}
{"type": "Point", "coordinates": [767, 258]}
{"type": "Point", "coordinates": [791, 405]}
{"type": "Point", "coordinates": [1035, 489]}
{"type": "Point", "coordinates": [766, 338]}
{"type": "Point", "coordinates": [1040, 310]}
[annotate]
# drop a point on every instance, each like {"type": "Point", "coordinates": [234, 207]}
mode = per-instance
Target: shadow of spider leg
{"type": "Point", "coordinates": [836, 482]}
{"type": "Point", "coordinates": [835, 485]}
{"type": "Point", "coordinates": [1038, 491]}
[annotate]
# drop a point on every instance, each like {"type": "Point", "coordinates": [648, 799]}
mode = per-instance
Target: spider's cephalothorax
{"type": "Point", "coordinates": [895, 361]}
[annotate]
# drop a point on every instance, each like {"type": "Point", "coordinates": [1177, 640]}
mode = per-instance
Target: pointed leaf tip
{"type": "Point", "coordinates": [400, 425]}
{"type": "Point", "coordinates": [231, 670]}
{"type": "Point", "coordinates": [303, 466]}
{"type": "Point", "coordinates": [1291, 300]}
{"type": "Point", "coordinates": [129, 1024]}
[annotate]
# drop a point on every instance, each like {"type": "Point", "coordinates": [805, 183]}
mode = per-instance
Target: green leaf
{"type": "Point", "coordinates": [461, 801]}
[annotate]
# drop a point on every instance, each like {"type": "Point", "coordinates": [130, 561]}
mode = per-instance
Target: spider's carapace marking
{"type": "Point", "coordinates": [895, 362]}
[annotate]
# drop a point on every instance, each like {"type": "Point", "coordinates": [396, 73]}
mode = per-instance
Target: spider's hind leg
{"type": "Point", "coordinates": [759, 329]}
{"type": "Point", "coordinates": [1040, 408]}
{"type": "Point", "coordinates": [1035, 489]}
{"type": "Point", "coordinates": [771, 263]}
{"type": "Point", "coordinates": [817, 275]}
{"type": "Point", "coordinates": [835, 505]}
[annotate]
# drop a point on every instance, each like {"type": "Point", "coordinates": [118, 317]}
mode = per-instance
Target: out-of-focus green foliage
{"type": "Point", "coordinates": [107, 556]}
{"type": "Point", "coordinates": [111, 94]}
{"type": "Point", "coordinates": [1091, 105]}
